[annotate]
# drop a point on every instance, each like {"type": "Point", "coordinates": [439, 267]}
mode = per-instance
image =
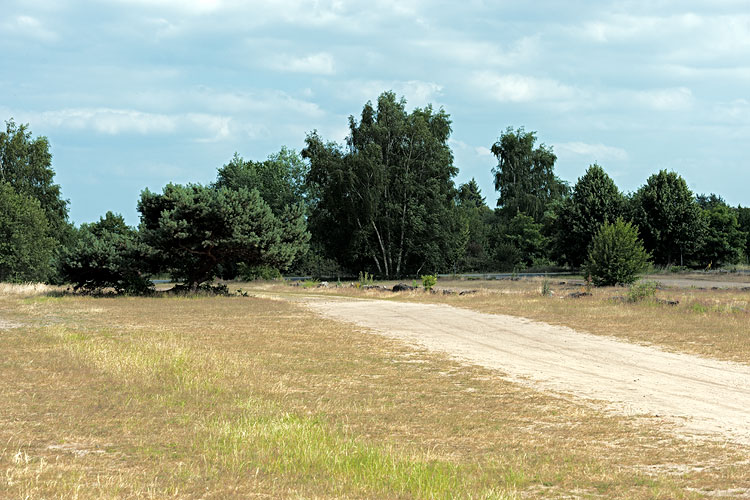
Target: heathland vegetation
{"type": "Point", "coordinates": [385, 203]}
{"type": "Point", "coordinates": [232, 397]}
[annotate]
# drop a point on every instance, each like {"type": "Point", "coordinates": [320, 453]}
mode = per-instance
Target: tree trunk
{"type": "Point", "coordinates": [382, 249]}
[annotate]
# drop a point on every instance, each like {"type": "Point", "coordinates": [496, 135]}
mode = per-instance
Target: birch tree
{"type": "Point", "coordinates": [383, 201]}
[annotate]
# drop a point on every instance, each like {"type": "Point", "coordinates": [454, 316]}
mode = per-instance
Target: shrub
{"type": "Point", "coordinates": [429, 280]}
{"type": "Point", "coordinates": [252, 273]}
{"type": "Point", "coordinates": [616, 255]}
{"type": "Point", "coordinates": [642, 290]}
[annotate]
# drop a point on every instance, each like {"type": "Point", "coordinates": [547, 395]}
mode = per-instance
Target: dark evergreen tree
{"type": "Point", "coordinates": [595, 200]}
{"type": "Point", "coordinates": [743, 220]}
{"type": "Point", "coordinates": [196, 232]}
{"type": "Point", "coordinates": [107, 254]}
{"type": "Point", "coordinates": [478, 216]}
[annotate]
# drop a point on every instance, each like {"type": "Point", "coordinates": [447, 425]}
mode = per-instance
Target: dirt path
{"type": "Point", "coordinates": [698, 395]}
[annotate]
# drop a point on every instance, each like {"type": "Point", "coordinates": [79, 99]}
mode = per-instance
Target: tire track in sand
{"type": "Point", "coordinates": [700, 396]}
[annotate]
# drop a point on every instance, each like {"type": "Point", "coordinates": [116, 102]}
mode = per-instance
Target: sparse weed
{"type": "Point", "coordinates": [546, 288]}
{"type": "Point", "coordinates": [365, 279]}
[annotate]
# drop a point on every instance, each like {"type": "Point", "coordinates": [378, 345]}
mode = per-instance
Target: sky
{"type": "Point", "coordinates": [135, 94]}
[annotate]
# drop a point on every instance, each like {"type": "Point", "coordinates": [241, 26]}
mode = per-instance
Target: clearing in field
{"type": "Point", "coordinates": [245, 396]}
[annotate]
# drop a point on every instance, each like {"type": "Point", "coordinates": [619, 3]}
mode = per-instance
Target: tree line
{"type": "Point", "coordinates": [384, 202]}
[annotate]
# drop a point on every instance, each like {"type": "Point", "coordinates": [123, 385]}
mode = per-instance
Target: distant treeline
{"type": "Point", "coordinates": [384, 202]}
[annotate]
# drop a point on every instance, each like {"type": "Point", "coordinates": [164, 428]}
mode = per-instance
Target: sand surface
{"type": "Point", "coordinates": [698, 396]}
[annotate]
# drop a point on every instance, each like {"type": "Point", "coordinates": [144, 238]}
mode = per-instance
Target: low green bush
{"type": "Point", "coordinates": [429, 280]}
{"type": "Point", "coordinates": [616, 255]}
{"type": "Point", "coordinates": [642, 290]}
{"type": "Point", "coordinates": [252, 273]}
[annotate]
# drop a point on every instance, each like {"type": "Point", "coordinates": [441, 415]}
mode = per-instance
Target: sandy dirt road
{"type": "Point", "coordinates": [699, 396]}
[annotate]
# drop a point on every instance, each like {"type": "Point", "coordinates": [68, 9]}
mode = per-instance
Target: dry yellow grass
{"type": "Point", "coordinates": [707, 322]}
{"type": "Point", "coordinates": [248, 397]}
{"type": "Point", "coordinates": [26, 289]}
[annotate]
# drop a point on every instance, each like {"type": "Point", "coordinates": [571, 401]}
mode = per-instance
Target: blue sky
{"type": "Point", "coordinates": [139, 93]}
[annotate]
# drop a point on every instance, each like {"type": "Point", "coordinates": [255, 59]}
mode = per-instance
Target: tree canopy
{"type": "Point", "coordinates": [723, 242]}
{"type": "Point", "coordinates": [26, 248]}
{"type": "Point", "coordinates": [26, 165]}
{"type": "Point", "coordinates": [107, 254]}
{"type": "Point", "coordinates": [595, 200]}
{"type": "Point", "coordinates": [279, 179]}
{"type": "Point", "coordinates": [384, 202]}
{"type": "Point", "coordinates": [525, 174]}
{"type": "Point", "coordinates": [197, 232]}
{"type": "Point", "coordinates": [668, 217]}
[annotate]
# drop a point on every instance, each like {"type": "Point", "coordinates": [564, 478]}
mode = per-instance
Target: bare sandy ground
{"type": "Point", "coordinates": [699, 396]}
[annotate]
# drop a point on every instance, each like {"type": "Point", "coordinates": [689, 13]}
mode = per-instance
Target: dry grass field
{"type": "Point", "coordinates": [244, 397]}
{"type": "Point", "coordinates": [706, 321]}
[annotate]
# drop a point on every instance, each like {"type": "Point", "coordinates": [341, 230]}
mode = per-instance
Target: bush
{"type": "Point", "coordinates": [642, 290]}
{"type": "Point", "coordinates": [429, 280]}
{"type": "Point", "coordinates": [252, 273]}
{"type": "Point", "coordinates": [616, 255]}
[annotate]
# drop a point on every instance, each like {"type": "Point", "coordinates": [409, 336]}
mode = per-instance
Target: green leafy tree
{"type": "Point", "coordinates": [26, 248]}
{"type": "Point", "coordinates": [279, 179]}
{"type": "Point", "coordinates": [384, 202]}
{"type": "Point", "coordinates": [616, 255]}
{"type": "Point", "coordinates": [518, 243]}
{"type": "Point", "coordinates": [723, 242]}
{"type": "Point", "coordinates": [197, 232]}
{"type": "Point", "coordinates": [107, 254]}
{"type": "Point", "coordinates": [669, 218]}
{"type": "Point", "coordinates": [525, 174]}
{"type": "Point", "coordinates": [26, 165]}
{"type": "Point", "coordinates": [595, 200]}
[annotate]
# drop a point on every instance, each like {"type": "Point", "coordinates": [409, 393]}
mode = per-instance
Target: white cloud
{"type": "Point", "coordinates": [628, 27]}
{"type": "Point", "coordinates": [674, 99]}
{"type": "Point", "coordinates": [481, 53]}
{"type": "Point", "coordinates": [321, 63]}
{"type": "Point", "coordinates": [28, 26]}
{"type": "Point", "coordinates": [522, 88]}
{"type": "Point", "coordinates": [593, 151]}
{"type": "Point", "coordinates": [192, 7]}
{"type": "Point", "coordinates": [417, 93]}
{"type": "Point", "coordinates": [735, 112]}
{"type": "Point", "coordinates": [684, 37]}
{"type": "Point", "coordinates": [483, 151]}
{"type": "Point", "coordinates": [108, 121]}
{"type": "Point", "coordinates": [220, 102]}
{"type": "Point", "coordinates": [203, 127]}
